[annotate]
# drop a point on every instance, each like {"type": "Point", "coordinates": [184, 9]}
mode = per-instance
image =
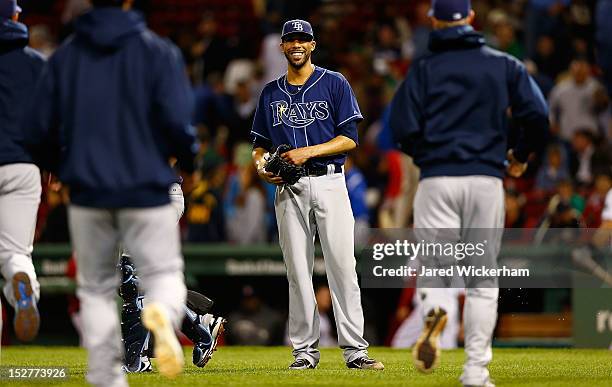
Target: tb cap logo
{"type": "Point", "coordinates": [297, 26]}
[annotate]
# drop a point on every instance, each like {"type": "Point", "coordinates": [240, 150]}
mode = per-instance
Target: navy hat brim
{"type": "Point", "coordinates": [295, 34]}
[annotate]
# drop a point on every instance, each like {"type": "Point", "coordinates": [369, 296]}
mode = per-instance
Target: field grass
{"type": "Point", "coordinates": [259, 366]}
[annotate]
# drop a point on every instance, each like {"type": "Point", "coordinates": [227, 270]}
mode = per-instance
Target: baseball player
{"type": "Point", "coordinates": [201, 327]}
{"type": "Point", "coordinates": [315, 111]}
{"type": "Point", "coordinates": [450, 115]}
{"type": "Point", "coordinates": [115, 103]}
{"type": "Point", "coordinates": [20, 187]}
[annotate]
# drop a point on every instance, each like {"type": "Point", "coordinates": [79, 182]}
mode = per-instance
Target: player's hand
{"type": "Point", "coordinates": [514, 167]}
{"type": "Point", "coordinates": [269, 176]}
{"type": "Point", "coordinates": [297, 156]}
{"type": "Point", "coordinates": [53, 182]}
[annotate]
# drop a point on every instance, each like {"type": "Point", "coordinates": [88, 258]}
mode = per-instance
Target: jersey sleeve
{"type": "Point", "coordinates": [346, 108]}
{"type": "Point", "coordinates": [348, 130]}
{"type": "Point", "coordinates": [606, 214]}
{"type": "Point", "coordinates": [259, 131]}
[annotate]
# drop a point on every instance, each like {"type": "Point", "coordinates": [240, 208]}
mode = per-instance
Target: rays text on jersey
{"type": "Point", "coordinates": [299, 114]}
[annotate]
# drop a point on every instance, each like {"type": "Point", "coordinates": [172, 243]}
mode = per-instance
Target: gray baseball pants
{"type": "Point", "coordinates": [320, 204]}
{"type": "Point", "coordinates": [465, 203]}
{"type": "Point", "coordinates": [19, 199]}
{"type": "Point", "coordinates": [152, 237]}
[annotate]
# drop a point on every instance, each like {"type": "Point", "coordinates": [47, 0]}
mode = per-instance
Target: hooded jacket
{"type": "Point", "coordinates": [20, 67]}
{"type": "Point", "coordinates": [450, 113]}
{"type": "Point", "coordinates": [113, 105]}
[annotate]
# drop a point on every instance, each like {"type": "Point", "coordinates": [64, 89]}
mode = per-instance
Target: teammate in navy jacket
{"type": "Point", "coordinates": [116, 100]}
{"type": "Point", "coordinates": [315, 111]}
{"type": "Point", "coordinates": [20, 187]}
{"type": "Point", "coordinates": [450, 115]}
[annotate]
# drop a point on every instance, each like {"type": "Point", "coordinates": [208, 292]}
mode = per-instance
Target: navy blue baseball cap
{"type": "Point", "coordinates": [450, 10]}
{"type": "Point", "coordinates": [297, 26]}
{"type": "Point", "coordinates": [8, 8]}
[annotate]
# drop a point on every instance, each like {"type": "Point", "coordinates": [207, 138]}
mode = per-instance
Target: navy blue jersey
{"type": "Point", "coordinates": [314, 113]}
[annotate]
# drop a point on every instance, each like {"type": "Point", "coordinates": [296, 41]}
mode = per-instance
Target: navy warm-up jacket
{"type": "Point", "coordinates": [20, 67]}
{"type": "Point", "coordinates": [115, 101]}
{"type": "Point", "coordinates": [449, 114]}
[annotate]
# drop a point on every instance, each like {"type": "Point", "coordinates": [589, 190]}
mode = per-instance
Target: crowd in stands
{"type": "Point", "coordinates": [231, 51]}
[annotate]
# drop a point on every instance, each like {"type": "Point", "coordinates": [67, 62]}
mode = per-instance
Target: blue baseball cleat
{"type": "Point", "coordinates": [204, 332]}
{"type": "Point", "coordinates": [27, 319]}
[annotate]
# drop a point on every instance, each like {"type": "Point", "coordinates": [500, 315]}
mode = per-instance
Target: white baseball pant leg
{"type": "Point", "coordinates": [20, 190]}
{"type": "Point", "coordinates": [151, 236]}
{"type": "Point", "coordinates": [465, 203]}
{"type": "Point", "coordinates": [320, 203]}
{"type": "Point", "coordinates": [177, 200]}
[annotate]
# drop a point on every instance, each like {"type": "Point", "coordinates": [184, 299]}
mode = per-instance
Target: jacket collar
{"type": "Point", "coordinates": [454, 38]}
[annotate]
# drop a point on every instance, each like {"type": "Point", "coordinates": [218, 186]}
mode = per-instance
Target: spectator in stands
{"type": "Point", "coordinates": [545, 83]}
{"type": "Point", "coordinates": [357, 187]}
{"type": "Point", "coordinates": [589, 159]}
{"type": "Point", "coordinates": [387, 49]}
{"type": "Point", "coordinates": [573, 101]}
{"type": "Point", "coordinates": [243, 110]}
{"type": "Point", "coordinates": [420, 30]}
{"type": "Point", "coordinates": [205, 220]}
{"type": "Point", "coordinates": [254, 323]}
{"type": "Point", "coordinates": [506, 41]}
{"type": "Point", "coordinates": [402, 178]}
{"type": "Point", "coordinates": [567, 207]}
{"type": "Point", "coordinates": [603, 237]}
{"type": "Point", "coordinates": [547, 58]}
{"type": "Point", "coordinates": [564, 217]}
{"type": "Point", "coordinates": [55, 228]}
{"type": "Point", "coordinates": [245, 202]}
{"type": "Point", "coordinates": [552, 171]}
{"type": "Point", "coordinates": [273, 62]}
{"type": "Point", "coordinates": [596, 201]}
{"type": "Point", "coordinates": [542, 17]}
{"type": "Point", "coordinates": [515, 216]}
{"type": "Point", "coordinates": [569, 196]}
{"type": "Point", "coordinates": [211, 53]}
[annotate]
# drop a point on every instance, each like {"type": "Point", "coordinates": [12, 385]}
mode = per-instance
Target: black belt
{"type": "Point", "coordinates": [321, 170]}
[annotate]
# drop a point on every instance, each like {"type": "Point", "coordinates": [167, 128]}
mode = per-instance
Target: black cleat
{"type": "Point", "coordinates": [365, 363]}
{"type": "Point", "coordinates": [301, 364]}
{"type": "Point", "coordinates": [426, 351]}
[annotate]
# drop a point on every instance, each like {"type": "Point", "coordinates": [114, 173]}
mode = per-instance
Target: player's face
{"type": "Point", "coordinates": [297, 49]}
